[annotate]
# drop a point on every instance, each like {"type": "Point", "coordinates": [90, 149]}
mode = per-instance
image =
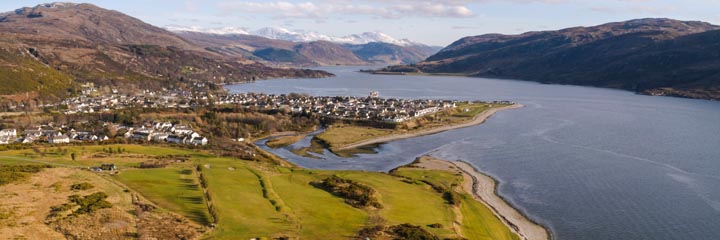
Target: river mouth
{"type": "Point", "coordinates": [588, 163]}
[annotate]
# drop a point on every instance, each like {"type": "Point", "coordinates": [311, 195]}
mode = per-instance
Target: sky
{"type": "Point", "coordinates": [434, 22]}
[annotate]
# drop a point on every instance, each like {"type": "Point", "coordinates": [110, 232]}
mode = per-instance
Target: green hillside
{"type": "Point", "coordinates": [21, 73]}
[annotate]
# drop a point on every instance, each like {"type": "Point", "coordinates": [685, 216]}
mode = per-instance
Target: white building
{"type": "Point", "coordinates": [59, 139]}
{"type": "Point", "coordinates": [11, 132]}
{"type": "Point", "coordinates": [198, 141]}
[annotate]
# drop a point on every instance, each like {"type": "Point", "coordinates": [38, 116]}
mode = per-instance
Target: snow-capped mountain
{"type": "Point", "coordinates": [303, 36]}
{"type": "Point", "coordinates": [220, 31]}
{"type": "Point", "coordinates": [300, 36]}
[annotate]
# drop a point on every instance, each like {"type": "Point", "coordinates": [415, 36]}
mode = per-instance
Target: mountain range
{"type": "Point", "coordinates": [650, 56]}
{"type": "Point", "coordinates": [280, 33]}
{"type": "Point", "coordinates": [47, 49]}
{"type": "Point", "coordinates": [300, 48]}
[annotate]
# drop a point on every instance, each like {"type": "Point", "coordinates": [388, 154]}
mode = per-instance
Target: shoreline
{"type": "Point", "coordinates": [483, 188]}
{"type": "Point", "coordinates": [479, 119]}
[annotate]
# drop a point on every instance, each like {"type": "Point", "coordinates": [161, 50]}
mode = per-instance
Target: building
{"type": "Point", "coordinates": [198, 141]}
{"type": "Point", "coordinates": [374, 94]}
{"type": "Point", "coordinates": [108, 167]}
{"type": "Point", "coordinates": [174, 139]}
{"type": "Point", "coordinates": [160, 137]}
{"type": "Point", "coordinates": [143, 134]}
{"type": "Point", "coordinates": [59, 139]}
{"type": "Point", "coordinates": [11, 132]}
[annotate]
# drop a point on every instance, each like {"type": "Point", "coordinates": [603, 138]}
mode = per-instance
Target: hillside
{"type": "Point", "coordinates": [86, 43]}
{"type": "Point", "coordinates": [386, 53]}
{"type": "Point", "coordinates": [327, 53]}
{"type": "Point", "coordinates": [651, 56]}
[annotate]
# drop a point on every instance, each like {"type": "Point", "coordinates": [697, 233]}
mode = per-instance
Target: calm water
{"type": "Point", "coordinates": [589, 163]}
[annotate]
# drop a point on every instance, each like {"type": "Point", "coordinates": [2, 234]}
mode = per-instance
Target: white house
{"type": "Point", "coordinates": [11, 132]}
{"type": "Point", "coordinates": [198, 141]}
{"type": "Point", "coordinates": [160, 137]}
{"type": "Point", "coordinates": [58, 139]}
{"type": "Point", "coordinates": [182, 130]}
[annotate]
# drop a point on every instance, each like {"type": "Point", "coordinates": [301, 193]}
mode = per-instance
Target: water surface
{"type": "Point", "coordinates": [589, 163]}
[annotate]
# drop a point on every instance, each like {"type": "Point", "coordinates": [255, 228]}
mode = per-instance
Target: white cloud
{"type": "Point", "coordinates": [322, 9]}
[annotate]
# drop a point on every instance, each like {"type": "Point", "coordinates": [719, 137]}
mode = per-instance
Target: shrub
{"type": "Point", "coordinates": [9, 174]}
{"type": "Point", "coordinates": [435, 225]}
{"type": "Point", "coordinates": [81, 186]}
{"type": "Point", "coordinates": [452, 197]}
{"type": "Point", "coordinates": [90, 203]}
{"type": "Point", "coordinates": [354, 193]}
{"type": "Point", "coordinates": [409, 231]}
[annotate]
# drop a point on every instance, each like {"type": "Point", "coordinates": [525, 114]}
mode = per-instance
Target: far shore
{"type": "Point", "coordinates": [479, 119]}
{"type": "Point", "coordinates": [484, 189]}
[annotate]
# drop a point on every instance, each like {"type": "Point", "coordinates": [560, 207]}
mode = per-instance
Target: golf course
{"type": "Point", "coordinates": [241, 199]}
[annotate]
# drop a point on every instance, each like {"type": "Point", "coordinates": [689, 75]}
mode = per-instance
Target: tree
{"type": "Point", "coordinates": [72, 155]}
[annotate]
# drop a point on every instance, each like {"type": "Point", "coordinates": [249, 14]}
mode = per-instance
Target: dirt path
{"type": "Point", "coordinates": [480, 118]}
{"type": "Point", "coordinates": [483, 189]}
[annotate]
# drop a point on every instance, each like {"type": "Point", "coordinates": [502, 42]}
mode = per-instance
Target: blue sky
{"type": "Point", "coordinates": [437, 22]}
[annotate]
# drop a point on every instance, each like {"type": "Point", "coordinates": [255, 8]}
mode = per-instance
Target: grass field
{"type": "Point", "coordinates": [90, 155]}
{"type": "Point", "coordinates": [263, 200]}
{"type": "Point", "coordinates": [343, 135]}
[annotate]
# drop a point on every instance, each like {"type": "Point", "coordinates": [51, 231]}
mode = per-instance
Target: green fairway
{"type": "Point", "coordinates": [243, 212]}
{"type": "Point", "coordinates": [405, 202]}
{"type": "Point", "coordinates": [321, 215]}
{"type": "Point", "coordinates": [175, 189]}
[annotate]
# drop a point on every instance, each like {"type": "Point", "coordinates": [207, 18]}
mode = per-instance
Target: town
{"type": "Point", "coordinates": [372, 107]}
{"type": "Point", "coordinates": [369, 108]}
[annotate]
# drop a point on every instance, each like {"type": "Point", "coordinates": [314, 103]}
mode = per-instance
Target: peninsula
{"type": "Point", "coordinates": [478, 119]}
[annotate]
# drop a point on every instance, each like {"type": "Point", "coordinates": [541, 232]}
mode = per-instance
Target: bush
{"type": "Point", "coordinates": [81, 186]}
{"type": "Point", "coordinates": [90, 203]}
{"type": "Point", "coordinates": [9, 174]}
{"type": "Point", "coordinates": [354, 193]}
{"type": "Point", "coordinates": [409, 231]}
{"type": "Point", "coordinates": [435, 225]}
{"type": "Point", "coordinates": [452, 197]}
